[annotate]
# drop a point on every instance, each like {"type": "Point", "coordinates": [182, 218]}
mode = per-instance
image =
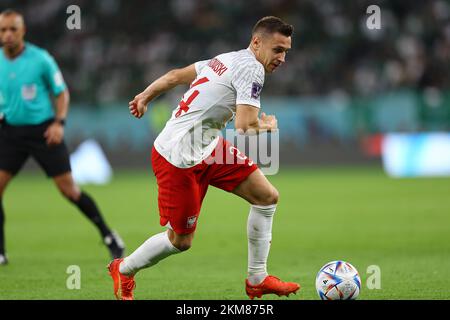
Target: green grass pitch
{"type": "Point", "coordinates": [354, 214]}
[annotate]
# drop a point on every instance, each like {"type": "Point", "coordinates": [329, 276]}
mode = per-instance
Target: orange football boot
{"type": "Point", "coordinates": [271, 284]}
{"type": "Point", "coordinates": [123, 285]}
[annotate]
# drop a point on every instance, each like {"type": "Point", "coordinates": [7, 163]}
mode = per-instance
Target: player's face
{"type": "Point", "coordinates": [12, 31]}
{"type": "Point", "coordinates": [272, 51]}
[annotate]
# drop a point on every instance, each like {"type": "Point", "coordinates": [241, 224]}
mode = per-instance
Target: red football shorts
{"type": "Point", "coordinates": [181, 191]}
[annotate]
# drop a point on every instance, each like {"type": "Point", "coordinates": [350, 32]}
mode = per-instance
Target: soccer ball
{"type": "Point", "coordinates": [338, 280]}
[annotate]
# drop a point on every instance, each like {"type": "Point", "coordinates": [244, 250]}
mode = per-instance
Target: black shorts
{"type": "Point", "coordinates": [17, 143]}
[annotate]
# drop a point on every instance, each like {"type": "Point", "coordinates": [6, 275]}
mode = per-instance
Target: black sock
{"type": "Point", "coordinates": [2, 227]}
{"type": "Point", "coordinates": [87, 205]}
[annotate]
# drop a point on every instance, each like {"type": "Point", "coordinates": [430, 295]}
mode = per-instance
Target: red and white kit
{"type": "Point", "coordinates": [183, 152]}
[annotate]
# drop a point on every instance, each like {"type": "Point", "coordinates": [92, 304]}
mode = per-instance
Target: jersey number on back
{"type": "Point", "coordinates": [184, 105]}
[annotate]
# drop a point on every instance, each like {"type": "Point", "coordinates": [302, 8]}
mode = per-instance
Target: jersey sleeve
{"type": "Point", "coordinates": [199, 65]}
{"type": "Point", "coordinates": [53, 75]}
{"type": "Point", "coordinates": [248, 81]}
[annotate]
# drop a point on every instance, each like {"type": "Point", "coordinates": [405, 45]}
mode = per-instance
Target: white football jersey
{"type": "Point", "coordinates": [192, 133]}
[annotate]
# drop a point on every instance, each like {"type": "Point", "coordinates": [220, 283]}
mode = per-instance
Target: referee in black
{"type": "Point", "coordinates": [29, 125]}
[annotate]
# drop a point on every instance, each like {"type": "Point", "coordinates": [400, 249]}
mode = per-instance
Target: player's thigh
{"type": "Point", "coordinates": [180, 195]}
{"type": "Point", "coordinates": [229, 167]}
{"type": "Point", "coordinates": [54, 160]}
{"type": "Point", "coordinates": [257, 190]}
{"type": "Point", "coordinates": [13, 154]}
{"type": "Point", "coordinates": [179, 202]}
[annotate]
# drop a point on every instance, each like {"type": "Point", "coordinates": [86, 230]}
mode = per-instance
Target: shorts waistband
{"type": "Point", "coordinates": [5, 123]}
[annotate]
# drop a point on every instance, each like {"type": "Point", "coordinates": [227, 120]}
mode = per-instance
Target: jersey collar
{"type": "Point", "coordinates": [17, 56]}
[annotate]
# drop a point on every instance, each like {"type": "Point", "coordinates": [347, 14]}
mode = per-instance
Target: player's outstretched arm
{"type": "Point", "coordinates": [173, 78]}
{"type": "Point", "coordinates": [247, 121]}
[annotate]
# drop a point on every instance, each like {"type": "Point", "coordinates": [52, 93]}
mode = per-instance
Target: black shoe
{"type": "Point", "coordinates": [115, 245]}
{"type": "Point", "coordinates": [3, 260]}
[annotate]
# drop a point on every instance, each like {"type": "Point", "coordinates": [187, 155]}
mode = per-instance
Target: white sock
{"type": "Point", "coordinates": [148, 254]}
{"type": "Point", "coordinates": [259, 234]}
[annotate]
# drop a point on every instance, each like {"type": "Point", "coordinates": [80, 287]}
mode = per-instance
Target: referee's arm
{"type": "Point", "coordinates": [62, 105]}
{"type": "Point", "coordinates": [55, 132]}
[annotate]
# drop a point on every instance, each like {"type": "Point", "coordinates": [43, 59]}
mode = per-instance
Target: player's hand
{"type": "Point", "coordinates": [138, 106]}
{"type": "Point", "coordinates": [268, 122]}
{"type": "Point", "coordinates": [54, 134]}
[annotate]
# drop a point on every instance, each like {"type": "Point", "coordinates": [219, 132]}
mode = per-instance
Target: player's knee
{"type": "Point", "coordinates": [273, 197]}
{"type": "Point", "coordinates": [268, 198]}
{"type": "Point", "coordinates": [70, 194]}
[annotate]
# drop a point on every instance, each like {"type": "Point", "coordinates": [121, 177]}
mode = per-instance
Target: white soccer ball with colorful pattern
{"type": "Point", "coordinates": [338, 280]}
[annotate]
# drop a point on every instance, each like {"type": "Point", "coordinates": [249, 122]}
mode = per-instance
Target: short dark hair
{"type": "Point", "coordinates": [10, 12]}
{"type": "Point", "coordinates": [271, 25]}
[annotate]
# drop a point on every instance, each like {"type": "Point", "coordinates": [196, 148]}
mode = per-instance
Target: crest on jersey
{"type": "Point", "coordinates": [256, 90]}
{"type": "Point", "coordinates": [29, 91]}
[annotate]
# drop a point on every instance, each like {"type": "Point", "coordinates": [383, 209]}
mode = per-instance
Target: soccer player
{"type": "Point", "coordinates": [189, 154]}
{"type": "Point", "coordinates": [30, 127]}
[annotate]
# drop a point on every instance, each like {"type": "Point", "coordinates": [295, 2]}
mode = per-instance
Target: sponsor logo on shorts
{"type": "Point", "coordinates": [191, 221]}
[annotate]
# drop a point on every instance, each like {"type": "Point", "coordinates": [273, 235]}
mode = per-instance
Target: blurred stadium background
{"type": "Point", "coordinates": [342, 86]}
{"type": "Point", "coordinates": [343, 89]}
